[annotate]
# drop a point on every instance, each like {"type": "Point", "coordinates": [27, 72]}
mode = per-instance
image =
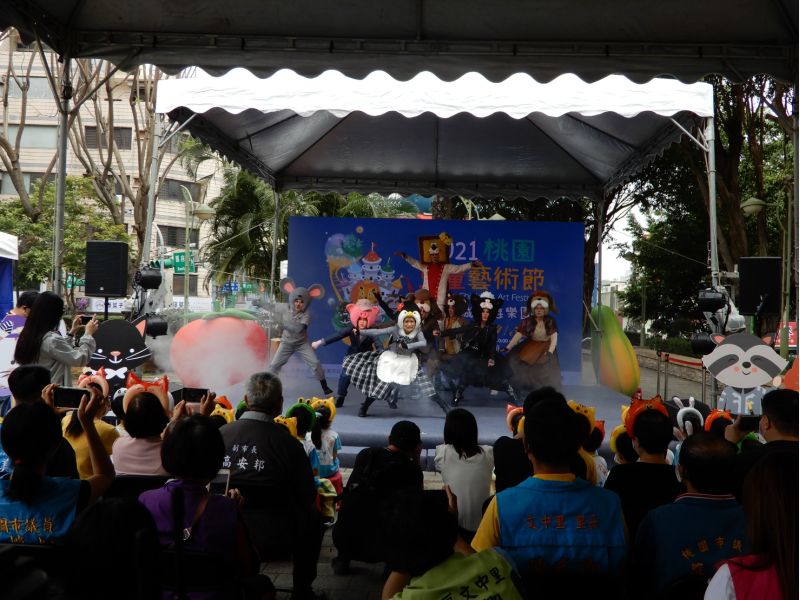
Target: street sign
{"type": "Point", "coordinates": [179, 262]}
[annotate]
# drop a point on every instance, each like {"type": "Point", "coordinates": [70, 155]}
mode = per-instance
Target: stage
{"type": "Point", "coordinates": [489, 409]}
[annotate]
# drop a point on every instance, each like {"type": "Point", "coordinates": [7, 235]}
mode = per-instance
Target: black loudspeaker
{"type": "Point", "coordinates": [760, 281]}
{"type": "Point", "coordinates": [106, 269]}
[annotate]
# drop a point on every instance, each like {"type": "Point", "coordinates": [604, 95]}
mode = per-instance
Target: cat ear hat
{"type": "Point", "coordinates": [158, 387]}
{"type": "Point", "coordinates": [312, 292]}
{"type": "Point", "coordinates": [98, 377]}
{"type": "Point", "coordinates": [317, 403]}
{"type": "Point", "coordinates": [289, 422]}
{"type": "Point", "coordinates": [458, 302]}
{"type": "Point", "coordinates": [485, 300]}
{"type": "Point", "coordinates": [637, 407]}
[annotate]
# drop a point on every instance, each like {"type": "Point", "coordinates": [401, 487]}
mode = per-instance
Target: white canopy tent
{"type": "Point", "coordinates": [470, 136]}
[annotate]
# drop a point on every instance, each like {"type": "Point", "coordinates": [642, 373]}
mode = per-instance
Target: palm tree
{"type": "Point", "coordinates": [242, 231]}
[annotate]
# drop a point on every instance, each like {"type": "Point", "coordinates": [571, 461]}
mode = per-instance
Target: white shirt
{"type": "Point", "coordinates": [721, 585]}
{"type": "Point", "coordinates": [469, 479]}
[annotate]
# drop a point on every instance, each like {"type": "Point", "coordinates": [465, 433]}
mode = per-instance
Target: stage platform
{"type": "Point", "coordinates": [489, 409]}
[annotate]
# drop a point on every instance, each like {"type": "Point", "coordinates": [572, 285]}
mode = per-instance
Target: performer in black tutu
{"type": "Point", "coordinates": [478, 364]}
{"type": "Point", "coordinates": [375, 373]}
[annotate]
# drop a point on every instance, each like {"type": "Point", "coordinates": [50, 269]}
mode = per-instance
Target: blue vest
{"type": "Point", "coordinates": [561, 526]}
{"type": "Point", "coordinates": [44, 522]}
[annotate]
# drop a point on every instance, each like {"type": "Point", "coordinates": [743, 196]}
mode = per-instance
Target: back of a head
{"type": "Point", "coordinates": [26, 382]}
{"type": "Point", "coordinates": [30, 434]}
{"type": "Point", "coordinates": [420, 529]}
{"type": "Point", "coordinates": [461, 431]}
{"type": "Point", "coordinates": [405, 435]}
{"type": "Point", "coordinates": [770, 498]}
{"type": "Point", "coordinates": [27, 298]}
{"type": "Point", "coordinates": [537, 396]}
{"type": "Point", "coordinates": [265, 393]}
{"type": "Point", "coordinates": [653, 429]}
{"type": "Point", "coordinates": [113, 545]}
{"type": "Point", "coordinates": [305, 418]}
{"type": "Point", "coordinates": [45, 316]}
{"type": "Point", "coordinates": [193, 449]}
{"type": "Point", "coordinates": [781, 406]}
{"type": "Point", "coordinates": [625, 448]}
{"type": "Point", "coordinates": [552, 431]}
{"type": "Point", "coordinates": [145, 417]}
{"type": "Point", "coordinates": [707, 460]}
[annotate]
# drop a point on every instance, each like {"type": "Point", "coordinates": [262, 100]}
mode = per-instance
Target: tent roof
{"type": "Point", "coordinates": [686, 39]}
{"type": "Point", "coordinates": [470, 137]}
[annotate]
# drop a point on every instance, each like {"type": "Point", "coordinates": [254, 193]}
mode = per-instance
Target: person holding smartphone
{"type": "Point", "coordinates": [40, 342]}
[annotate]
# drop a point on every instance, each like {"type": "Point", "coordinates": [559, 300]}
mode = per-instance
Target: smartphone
{"type": "Point", "coordinates": [193, 395]}
{"type": "Point", "coordinates": [749, 423]}
{"type": "Point", "coordinates": [67, 397]}
{"type": "Point", "coordinates": [221, 482]}
{"type": "Point", "coordinates": [85, 319]}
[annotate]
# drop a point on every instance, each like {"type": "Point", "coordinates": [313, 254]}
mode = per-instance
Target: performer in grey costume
{"type": "Point", "coordinates": [295, 330]}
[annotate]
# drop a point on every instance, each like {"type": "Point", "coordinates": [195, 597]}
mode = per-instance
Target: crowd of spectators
{"type": "Point", "coordinates": [536, 514]}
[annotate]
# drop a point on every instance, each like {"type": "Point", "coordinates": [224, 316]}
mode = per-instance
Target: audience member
{"type": "Point", "coordinates": [511, 463]}
{"type": "Point", "coordinates": [702, 527]}
{"type": "Point", "coordinates": [650, 481]}
{"type": "Point", "coordinates": [75, 434]}
{"type": "Point", "coordinates": [112, 550]}
{"type": "Point", "coordinates": [27, 384]}
{"type": "Point", "coordinates": [192, 453]}
{"type": "Point", "coordinates": [778, 426]}
{"type": "Point", "coordinates": [273, 472]}
{"type": "Point", "coordinates": [770, 504]}
{"type": "Point", "coordinates": [40, 342]}
{"type": "Point", "coordinates": [466, 467]}
{"type": "Point", "coordinates": [423, 533]}
{"type": "Point", "coordinates": [328, 444]}
{"type": "Point", "coordinates": [378, 474]}
{"type": "Point", "coordinates": [554, 525]}
{"type": "Point", "coordinates": [622, 447]}
{"type": "Point", "coordinates": [139, 453]}
{"type": "Point", "coordinates": [592, 446]}
{"type": "Point", "coordinates": [44, 507]}
{"type": "Point", "coordinates": [12, 325]}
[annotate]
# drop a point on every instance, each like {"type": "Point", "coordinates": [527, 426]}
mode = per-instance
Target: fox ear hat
{"type": "Point", "coordinates": [638, 407]}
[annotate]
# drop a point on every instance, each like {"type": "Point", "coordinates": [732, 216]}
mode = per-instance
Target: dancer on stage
{"type": "Point", "coordinates": [478, 363]}
{"type": "Point", "coordinates": [534, 362]}
{"type": "Point", "coordinates": [295, 324]}
{"type": "Point", "coordinates": [456, 307]}
{"type": "Point", "coordinates": [375, 373]}
{"type": "Point", "coordinates": [434, 263]}
{"type": "Point", "coordinates": [363, 315]}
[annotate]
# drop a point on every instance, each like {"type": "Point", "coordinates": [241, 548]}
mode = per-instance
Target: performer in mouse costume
{"type": "Point", "coordinates": [534, 362]}
{"type": "Point", "coordinates": [295, 324]}
{"type": "Point", "coordinates": [478, 363]}
{"type": "Point", "coordinates": [434, 263]}
{"type": "Point", "coordinates": [375, 373]}
{"type": "Point", "coordinates": [363, 315]}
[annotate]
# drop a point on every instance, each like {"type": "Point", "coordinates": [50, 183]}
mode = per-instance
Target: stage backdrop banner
{"type": "Point", "coordinates": [353, 257]}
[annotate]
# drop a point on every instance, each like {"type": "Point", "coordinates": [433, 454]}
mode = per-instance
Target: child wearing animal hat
{"type": "Point", "coordinates": [363, 315]}
{"type": "Point", "coordinates": [295, 324]}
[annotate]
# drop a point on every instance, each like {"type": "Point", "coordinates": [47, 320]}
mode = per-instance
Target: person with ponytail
{"type": "Point", "coordinates": [40, 343]}
{"type": "Point", "coordinates": [39, 509]}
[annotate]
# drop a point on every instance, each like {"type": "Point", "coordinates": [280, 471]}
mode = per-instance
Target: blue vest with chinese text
{"type": "Point", "coordinates": [43, 522]}
{"type": "Point", "coordinates": [561, 526]}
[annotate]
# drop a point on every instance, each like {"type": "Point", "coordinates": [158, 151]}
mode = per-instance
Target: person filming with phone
{"type": "Point", "coordinates": [40, 343]}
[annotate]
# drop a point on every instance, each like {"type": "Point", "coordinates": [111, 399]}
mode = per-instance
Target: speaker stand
{"type": "Point", "coordinates": [105, 310]}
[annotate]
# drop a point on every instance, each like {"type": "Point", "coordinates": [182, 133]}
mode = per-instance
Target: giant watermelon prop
{"type": "Point", "coordinates": [218, 349]}
{"type": "Point", "coordinates": [615, 363]}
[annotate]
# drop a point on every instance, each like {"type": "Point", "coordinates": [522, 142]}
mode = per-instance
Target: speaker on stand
{"type": "Point", "coordinates": [106, 270]}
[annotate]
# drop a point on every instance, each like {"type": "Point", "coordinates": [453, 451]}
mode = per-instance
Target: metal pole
{"type": "Point", "coordinates": [703, 378]}
{"type": "Point", "coordinates": [666, 376]}
{"type": "Point", "coordinates": [187, 249]}
{"type": "Point", "coordinates": [157, 134]}
{"type": "Point", "coordinates": [274, 244]}
{"type": "Point", "coordinates": [600, 226]}
{"type": "Point", "coordinates": [61, 180]}
{"type": "Point", "coordinates": [712, 199]}
{"type": "Point", "coordinates": [643, 334]}
{"type": "Point", "coordinates": [658, 371]}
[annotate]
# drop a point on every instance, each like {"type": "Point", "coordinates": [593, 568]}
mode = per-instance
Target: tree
{"type": "Point", "coordinates": [84, 220]}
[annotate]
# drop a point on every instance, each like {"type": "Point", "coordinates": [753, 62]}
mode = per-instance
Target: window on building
{"type": "Point", "coordinates": [176, 236]}
{"type": "Point", "coordinates": [38, 89]}
{"type": "Point", "coordinates": [178, 283]}
{"type": "Point", "coordinates": [171, 189]}
{"type": "Point", "coordinates": [122, 138]}
{"type": "Point", "coordinates": [35, 136]}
